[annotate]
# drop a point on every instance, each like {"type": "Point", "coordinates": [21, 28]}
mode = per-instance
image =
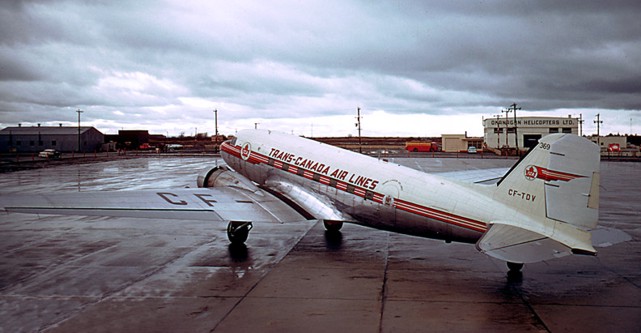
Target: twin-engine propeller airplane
{"type": "Point", "coordinates": [544, 207]}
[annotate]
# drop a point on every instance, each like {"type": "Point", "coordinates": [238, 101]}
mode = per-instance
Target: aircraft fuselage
{"type": "Point", "coordinates": [363, 189]}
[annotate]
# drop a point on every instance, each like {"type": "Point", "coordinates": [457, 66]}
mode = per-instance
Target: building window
{"type": "Point", "coordinates": [53, 143]}
{"type": "Point", "coordinates": [40, 143]}
{"type": "Point", "coordinates": [32, 143]}
{"type": "Point", "coordinates": [566, 130]}
{"type": "Point", "coordinates": [18, 143]}
{"type": "Point", "coordinates": [511, 130]}
{"type": "Point", "coordinates": [554, 130]}
{"type": "Point", "coordinates": [498, 130]}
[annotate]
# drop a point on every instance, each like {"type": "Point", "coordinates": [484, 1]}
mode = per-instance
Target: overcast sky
{"type": "Point", "coordinates": [420, 68]}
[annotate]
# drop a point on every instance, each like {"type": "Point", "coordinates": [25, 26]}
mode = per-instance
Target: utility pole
{"type": "Point", "coordinates": [498, 132]}
{"type": "Point", "coordinates": [598, 123]}
{"type": "Point", "coordinates": [256, 125]}
{"type": "Point", "coordinates": [507, 127]}
{"type": "Point", "coordinates": [79, 112]}
{"type": "Point", "coordinates": [581, 124]}
{"type": "Point", "coordinates": [516, 135]}
{"type": "Point", "coordinates": [216, 130]}
{"type": "Point", "coordinates": [358, 124]}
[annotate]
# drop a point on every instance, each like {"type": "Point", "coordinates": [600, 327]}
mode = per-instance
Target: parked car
{"type": "Point", "coordinates": [471, 150]}
{"type": "Point", "coordinates": [49, 153]}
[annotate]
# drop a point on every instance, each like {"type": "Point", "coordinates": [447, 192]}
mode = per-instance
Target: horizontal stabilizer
{"type": "Point", "coordinates": [482, 176]}
{"type": "Point", "coordinates": [513, 243]}
{"type": "Point", "coordinates": [604, 237]}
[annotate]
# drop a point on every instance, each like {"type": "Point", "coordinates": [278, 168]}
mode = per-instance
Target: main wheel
{"type": "Point", "coordinates": [237, 232]}
{"type": "Point", "coordinates": [514, 267]}
{"type": "Point", "coordinates": [332, 226]}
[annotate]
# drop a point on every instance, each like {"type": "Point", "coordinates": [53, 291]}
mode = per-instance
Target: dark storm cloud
{"type": "Point", "coordinates": [289, 59]}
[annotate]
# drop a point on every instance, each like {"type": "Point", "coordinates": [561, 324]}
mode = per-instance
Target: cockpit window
{"type": "Point", "coordinates": [232, 141]}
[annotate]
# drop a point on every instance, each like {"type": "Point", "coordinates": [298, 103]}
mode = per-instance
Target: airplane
{"type": "Point", "coordinates": [544, 207]}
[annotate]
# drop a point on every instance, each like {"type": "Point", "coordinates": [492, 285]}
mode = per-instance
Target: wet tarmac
{"type": "Point", "coordinates": [81, 274]}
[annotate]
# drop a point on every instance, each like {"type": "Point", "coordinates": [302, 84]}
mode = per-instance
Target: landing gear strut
{"type": "Point", "coordinates": [238, 231]}
{"type": "Point", "coordinates": [514, 267]}
{"type": "Point", "coordinates": [332, 226]}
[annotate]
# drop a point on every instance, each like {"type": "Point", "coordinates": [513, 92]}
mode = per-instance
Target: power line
{"type": "Point", "coordinates": [79, 112]}
{"type": "Point", "coordinates": [598, 123]}
{"type": "Point", "coordinates": [516, 136]}
{"type": "Point", "coordinates": [358, 124]}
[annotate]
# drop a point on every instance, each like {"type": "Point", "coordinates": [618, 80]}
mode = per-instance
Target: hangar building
{"type": "Point", "coordinates": [500, 133]}
{"type": "Point", "coordinates": [23, 139]}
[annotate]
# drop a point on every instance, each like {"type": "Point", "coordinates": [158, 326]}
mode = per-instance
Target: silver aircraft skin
{"type": "Point", "coordinates": [542, 208]}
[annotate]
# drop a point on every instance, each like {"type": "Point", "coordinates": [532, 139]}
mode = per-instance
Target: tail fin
{"type": "Point", "coordinates": [558, 179]}
{"type": "Point", "coordinates": [555, 188]}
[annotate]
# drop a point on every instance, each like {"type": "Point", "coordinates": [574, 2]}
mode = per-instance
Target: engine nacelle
{"type": "Point", "coordinates": [224, 176]}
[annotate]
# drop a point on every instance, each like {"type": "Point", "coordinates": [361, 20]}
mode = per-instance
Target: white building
{"type": "Point", "coordinates": [499, 133]}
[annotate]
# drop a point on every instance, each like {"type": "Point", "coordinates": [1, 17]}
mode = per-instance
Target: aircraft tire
{"type": "Point", "coordinates": [238, 234]}
{"type": "Point", "coordinates": [514, 267]}
{"type": "Point", "coordinates": [333, 226]}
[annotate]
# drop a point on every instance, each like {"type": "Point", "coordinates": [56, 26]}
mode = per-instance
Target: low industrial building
{"type": "Point", "coordinates": [500, 132]}
{"type": "Point", "coordinates": [132, 139]}
{"type": "Point", "coordinates": [611, 143]}
{"type": "Point", "coordinates": [22, 139]}
{"type": "Point", "coordinates": [453, 143]}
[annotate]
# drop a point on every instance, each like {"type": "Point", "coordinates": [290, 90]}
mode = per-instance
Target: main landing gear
{"type": "Point", "coordinates": [332, 226]}
{"type": "Point", "coordinates": [238, 231]}
{"type": "Point", "coordinates": [514, 267]}
{"type": "Point", "coordinates": [514, 275]}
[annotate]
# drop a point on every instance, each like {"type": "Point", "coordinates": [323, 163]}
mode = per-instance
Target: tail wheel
{"type": "Point", "coordinates": [332, 226]}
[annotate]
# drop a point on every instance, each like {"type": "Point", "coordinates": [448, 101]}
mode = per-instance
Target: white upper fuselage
{"type": "Point", "coordinates": [366, 190]}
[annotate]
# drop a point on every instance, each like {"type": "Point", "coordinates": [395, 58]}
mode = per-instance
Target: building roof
{"type": "Point", "coordinates": [44, 130]}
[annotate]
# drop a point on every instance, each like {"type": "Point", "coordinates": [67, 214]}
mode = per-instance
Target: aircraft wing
{"type": "Point", "coordinates": [219, 204]}
{"type": "Point", "coordinates": [482, 176]}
